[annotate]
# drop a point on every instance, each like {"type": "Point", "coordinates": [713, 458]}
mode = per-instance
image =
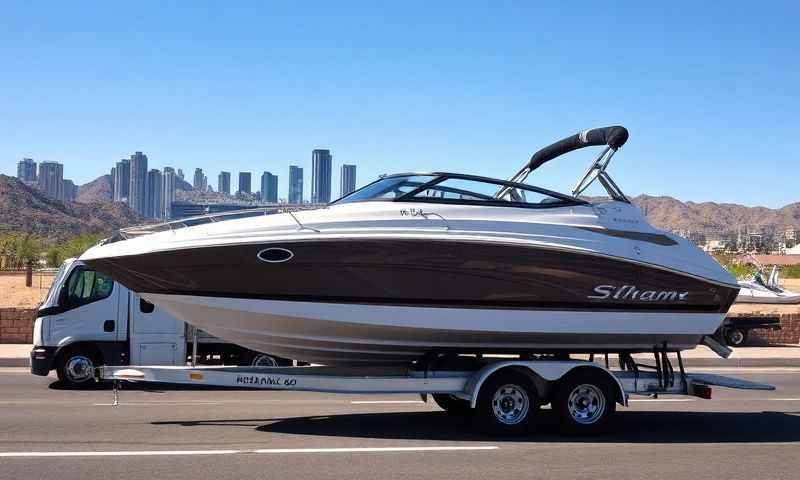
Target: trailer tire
{"type": "Point", "coordinates": [75, 368]}
{"type": "Point", "coordinates": [507, 404]}
{"type": "Point", "coordinates": [255, 359]}
{"type": "Point", "coordinates": [736, 337]}
{"type": "Point", "coordinates": [584, 402]}
{"type": "Point", "coordinates": [451, 404]}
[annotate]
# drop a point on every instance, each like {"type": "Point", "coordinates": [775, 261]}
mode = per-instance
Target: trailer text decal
{"type": "Point", "coordinates": [259, 380]}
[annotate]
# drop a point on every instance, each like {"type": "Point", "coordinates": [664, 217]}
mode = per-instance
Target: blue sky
{"type": "Point", "coordinates": [708, 90]}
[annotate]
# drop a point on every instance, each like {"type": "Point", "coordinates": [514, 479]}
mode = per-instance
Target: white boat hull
{"type": "Point", "coordinates": [337, 333]}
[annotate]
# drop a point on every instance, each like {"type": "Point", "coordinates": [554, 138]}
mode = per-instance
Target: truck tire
{"type": "Point", "coordinates": [75, 368]}
{"type": "Point", "coordinates": [451, 404]}
{"type": "Point", "coordinates": [736, 337]}
{"type": "Point", "coordinates": [584, 402]}
{"type": "Point", "coordinates": [507, 404]}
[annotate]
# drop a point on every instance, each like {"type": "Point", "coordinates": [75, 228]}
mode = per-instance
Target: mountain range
{"type": "Point", "coordinates": [26, 209]}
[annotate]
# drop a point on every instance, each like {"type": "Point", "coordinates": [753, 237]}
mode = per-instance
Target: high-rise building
{"type": "Point", "coordinates": [51, 179]}
{"type": "Point", "coordinates": [295, 184]}
{"type": "Point", "coordinates": [321, 161]}
{"type": "Point", "coordinates": [244, 182]}
{"type": "Point", "coordinates": [347, 179]}
{"type": "Point", "coordinates": [26, 170]}
{"type": "Point", "coordinates": [180, 174]}
{"type": "Point", "coordinates": [269, 188]}
{"type": "Point", "coordinates": [198, 179]}
{"type": "Point", "coordinates": [70, 191]}
{"type": "Point", "coordinates": [170, 180]}
{"type": "Point", "coordinates": [224, 183]}
{"type": "Point", "coordinates": [113, 174]}
{"type": "Point", "coordinates": [154, 207]}
{"type": "Point", "coordinates": [122, 180]}
{"type": "Point", "coordinates": [137, 192]}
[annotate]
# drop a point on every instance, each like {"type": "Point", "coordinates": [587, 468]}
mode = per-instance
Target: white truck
{"type": "Point", "coordinates": [88, 320]}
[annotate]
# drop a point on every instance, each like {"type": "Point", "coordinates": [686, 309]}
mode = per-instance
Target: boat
{"type": "Point", "coordinates": [757, 290]}
{"type": "Point", "coordinates": [415, 264]}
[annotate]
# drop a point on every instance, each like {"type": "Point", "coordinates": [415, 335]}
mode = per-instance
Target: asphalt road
{"type": "Point", "coordinates": [213, 434]}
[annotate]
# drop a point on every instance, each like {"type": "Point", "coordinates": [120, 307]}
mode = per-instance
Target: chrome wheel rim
{"type": "Point", "coordinates": [510, 404]}
{"type": "Point", "coordinates": [737, 337]}
{"type": "Point", "coordinates": [586, 404]}
{"type": "Point", "coordinates": [264, 361]}
{"type": "Point", "coordinates": [79, 368]}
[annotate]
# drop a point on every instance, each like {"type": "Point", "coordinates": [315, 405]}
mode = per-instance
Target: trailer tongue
{"type": "Point", "coordinates": [501, 394]}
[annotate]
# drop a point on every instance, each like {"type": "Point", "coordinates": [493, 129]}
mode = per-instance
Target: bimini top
{"type": "Point", "coordinates": [439, 187]}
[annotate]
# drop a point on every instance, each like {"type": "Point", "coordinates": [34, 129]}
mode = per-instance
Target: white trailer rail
{"type": "Point", "coordinates": [502, 396]}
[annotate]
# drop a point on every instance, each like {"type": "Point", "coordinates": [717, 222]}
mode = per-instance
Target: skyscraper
{"type": "Point", "coordinates": [295, 184]}
{"type": "Point", "coordinates": [180, 174]}
{"type": "Point", "coordinates": [26, 170]}
{"type": "Point", "coordinates": [113, 174]}
{"type": "Point", "coordinates": [137, 192]}
{"type": "Point", "coordinates": [51, 179]}
{"type": "Point", "coordinates": [244, 182]}
{"type": "Point", "coordinates": [269, 188]}
{"type": "Point", "coordinates": [170, 179]}
{"type": "Point", "coordinates": [321, 161]}
{"type": "Point", "coordinates": [347, 179]}
{"type": "Point", "coordinates": [70, 191]}
{"type": "Point", "coordinates": [122, 180]}
{"type": "Point", "coordinates": [224, 183]}
{"type": "Point", "coordinates": [154, 207]}
{"type": "Point", "coordinates": [198, 179]}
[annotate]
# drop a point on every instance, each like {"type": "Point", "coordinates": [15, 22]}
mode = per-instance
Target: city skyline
{"type": "Point", "coordinates": [151, 192]}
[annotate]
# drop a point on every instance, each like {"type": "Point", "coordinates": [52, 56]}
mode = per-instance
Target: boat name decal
{"type": "Point", "coordinates": [412, 212]}
{"type": "Point", "coordinates": [630, 292]}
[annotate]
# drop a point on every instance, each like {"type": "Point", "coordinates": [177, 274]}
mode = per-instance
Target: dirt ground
{"type": "Point", "coordinates": [14, 293]}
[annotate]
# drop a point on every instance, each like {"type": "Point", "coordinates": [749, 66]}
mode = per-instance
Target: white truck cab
{"type": "Point", "coordinates": [88, 320]}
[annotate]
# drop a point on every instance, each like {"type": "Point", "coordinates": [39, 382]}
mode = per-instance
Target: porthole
{"type": "Point", "coordinates": [275, 255]}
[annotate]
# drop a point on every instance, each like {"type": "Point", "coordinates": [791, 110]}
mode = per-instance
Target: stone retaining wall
{"type": "Point", "coordinates": [789, 332]}
{"type": "Point", "coordinates": [16, 325]}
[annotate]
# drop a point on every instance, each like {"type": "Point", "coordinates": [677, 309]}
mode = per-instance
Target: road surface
{"type": "Point", "coordinates": [157, 432]}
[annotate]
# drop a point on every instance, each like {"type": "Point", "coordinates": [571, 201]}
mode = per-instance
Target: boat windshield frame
{"type": "Point", "coordinates": [439, 177]}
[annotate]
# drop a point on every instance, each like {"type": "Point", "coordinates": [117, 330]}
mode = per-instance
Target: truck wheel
{"type": "Point", "coordinates": [736, 337]}
{"type": "Point", "coordinates": [75, 368]}
{"type": "Point", "coordinates": [507, 404]}
{"type": "Point", "coordinates": [451, 404]}
{"type": "Point", "coordinates": [584, 402]}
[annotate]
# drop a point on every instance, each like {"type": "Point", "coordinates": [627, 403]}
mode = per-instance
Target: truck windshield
{"type": "Point", "coordinates": [52, 294]}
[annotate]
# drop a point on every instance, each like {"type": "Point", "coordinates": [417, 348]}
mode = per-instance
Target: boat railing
{"type": "Point", "coordinates": [146, 229]}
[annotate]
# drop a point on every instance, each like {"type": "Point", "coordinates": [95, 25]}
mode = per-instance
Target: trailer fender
{"type": "Point", "coordinates": [539, 371]}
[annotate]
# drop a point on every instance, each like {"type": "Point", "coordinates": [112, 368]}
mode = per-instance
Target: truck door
{"type": "Point", "coordinates": [156, 337]}
{"type": "Point", "coordinates": [88, 309]}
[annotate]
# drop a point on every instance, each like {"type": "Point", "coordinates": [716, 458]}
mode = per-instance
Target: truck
{"type": "Point", "coordinates": [88, 320]}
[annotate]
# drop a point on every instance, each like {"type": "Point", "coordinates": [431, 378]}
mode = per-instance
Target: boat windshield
{"type": "Point", "coordinates": [388, 188]}
{"type": "Point", "coordinates": [456, 188]}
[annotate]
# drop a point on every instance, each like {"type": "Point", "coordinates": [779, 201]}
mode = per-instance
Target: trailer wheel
{"type": "Point", "coordinates": [507, 404]}
{"type": "Point", "coordinates": [255, 359]}
{"type": "Point", "coordinates": [75, 368]}
{"type": "Point", "coordinates": [736, 337]}
{"type": "Point", "coordinates": [584, 402]}
{"type": "Point", "coordinates": [452, 404]}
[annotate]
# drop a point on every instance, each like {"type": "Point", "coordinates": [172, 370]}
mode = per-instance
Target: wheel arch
{"type": "Point", "coordinates": [543, 374]}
